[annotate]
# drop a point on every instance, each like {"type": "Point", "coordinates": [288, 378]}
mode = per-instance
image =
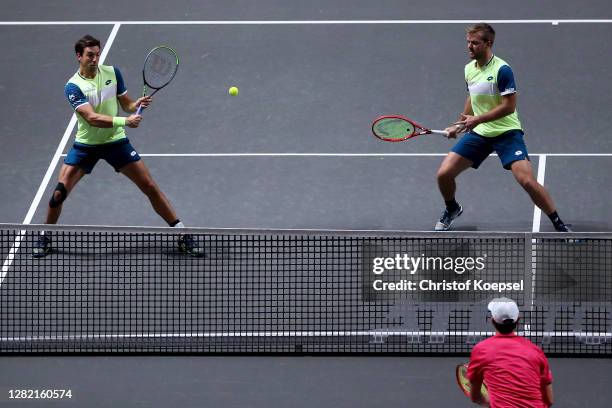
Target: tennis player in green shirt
{"type": "Point", "coordinates": [95, 92]}
{"type": "Point", "coordinates": [492, 124]}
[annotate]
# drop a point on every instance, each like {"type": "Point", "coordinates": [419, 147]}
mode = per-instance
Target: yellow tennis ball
{"type": "Point", "coordinates": [233, 91]}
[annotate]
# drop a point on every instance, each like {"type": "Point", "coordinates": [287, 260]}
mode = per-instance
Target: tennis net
{"type": "Point", "coordinates": [129, 289]}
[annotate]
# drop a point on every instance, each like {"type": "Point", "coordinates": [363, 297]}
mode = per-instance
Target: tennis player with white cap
{"type": "Point", "coordinates": [515, 370]}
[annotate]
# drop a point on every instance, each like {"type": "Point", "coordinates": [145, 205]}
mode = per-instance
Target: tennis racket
{"type": "Point", "coordinates": [396, 128]}
{"type": "Point", "coordinates": [464, 382]}
{"type": "Point", "coordinates": [159, 69]}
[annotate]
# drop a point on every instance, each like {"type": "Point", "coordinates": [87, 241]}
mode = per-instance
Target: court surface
{"type": "Point", "coordinates": [294, 150]}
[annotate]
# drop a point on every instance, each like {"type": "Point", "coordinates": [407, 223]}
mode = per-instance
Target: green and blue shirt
{"type": "Point", "coordinates": [101, 93]}
{"type": "Point", "coordinates": [487, 85]}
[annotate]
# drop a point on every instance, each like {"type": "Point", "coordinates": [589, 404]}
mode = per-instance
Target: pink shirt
{"type": "Point", "coordinates": [514, 369]}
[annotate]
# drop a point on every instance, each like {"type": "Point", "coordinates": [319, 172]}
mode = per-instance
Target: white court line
{"type": "Point", "coordinates": [537, 213]}
{"type": "Point", "coordinates": [537, 217]}
{"type": "Point", "coordinates": [307, 22]}
{"type": "Point", "coordinates": [572, 154]}
{"type": "Point", "coordinates": [8, 261]}
{"type": "Point", "coordinates": [280, 154]}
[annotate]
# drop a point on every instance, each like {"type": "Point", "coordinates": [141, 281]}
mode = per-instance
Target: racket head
{"type": "Point", "coordinates": [464, 382]}
{"type": "Point", "coordinates": [393, 128]}
{"type": "Point", "coordinates": [160, 67]}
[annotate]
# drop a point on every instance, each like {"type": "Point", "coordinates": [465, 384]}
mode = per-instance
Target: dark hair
{"type": "Point", "coordinates": [86, 41]}
{"type": "Point", "coordinates": [487, 32]}
{"type": "Point", "coordinates": [507, 327]}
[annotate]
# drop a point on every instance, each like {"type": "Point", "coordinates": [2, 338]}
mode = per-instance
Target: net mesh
{"type": "Point", "coordinates": [393, 128]}
{"type": "Point", "coordinates": [160, 67]}
{"type": "Point", "coordinates": [132, 290]}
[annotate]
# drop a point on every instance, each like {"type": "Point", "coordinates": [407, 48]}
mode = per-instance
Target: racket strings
{"type": "Point", "coordinates": [393, 128]}
{"type": "Point", "coordinates": [160, 67]}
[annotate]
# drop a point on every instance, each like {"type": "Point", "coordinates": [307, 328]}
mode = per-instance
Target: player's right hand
{"type": "Point", "coordinates": [454, 130]}
{"type": "Point", "coordinates": [133, 121]}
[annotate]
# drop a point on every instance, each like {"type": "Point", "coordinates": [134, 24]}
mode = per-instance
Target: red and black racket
{"type": "Point", "coordinates": [395, 128]}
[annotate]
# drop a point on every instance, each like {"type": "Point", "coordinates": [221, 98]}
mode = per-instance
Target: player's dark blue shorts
{"type": "Point", "coordinates": [117, 154]}
{"type": "Point", "coordinates": [509, 146]}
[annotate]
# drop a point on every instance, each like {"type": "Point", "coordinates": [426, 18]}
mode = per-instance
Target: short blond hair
{"type": "Point", "coordinates": [487, 32]}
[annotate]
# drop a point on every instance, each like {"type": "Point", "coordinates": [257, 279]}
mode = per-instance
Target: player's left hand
{"type": "Point", "coordinates": [145, 102]}
{"type": "Point", "coordinates": [469, 122]}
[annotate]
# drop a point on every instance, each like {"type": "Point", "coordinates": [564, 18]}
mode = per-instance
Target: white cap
{"type": "Point", "coordinates": [503, 309]}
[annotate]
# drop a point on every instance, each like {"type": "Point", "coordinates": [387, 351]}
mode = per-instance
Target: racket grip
{"type": "Point", "coordinates": [139, 110]}
{"type": "Point", "coordinates": [440, 132]}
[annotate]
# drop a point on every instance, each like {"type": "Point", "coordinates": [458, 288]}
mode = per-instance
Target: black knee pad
{"type": "Point", "coordinates": [61, 189]}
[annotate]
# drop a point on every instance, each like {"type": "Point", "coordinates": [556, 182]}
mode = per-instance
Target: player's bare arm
{"type": "Point", "coordinates": [130, 106]}
{"type": "Point", "coordinates": [505, 108]}
{"type": "Point", "coordinates": [547, 395]}
{"type": "Point", "coordinates": [476, 395]}
{"type": "Point", "coordinates": [105, 121]}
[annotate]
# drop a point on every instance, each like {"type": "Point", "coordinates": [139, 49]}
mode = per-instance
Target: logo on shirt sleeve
{"type": "Point", "coordinates": [108, 82]}
{"type": "Point", "coordinates": [72, 97]}
{"type": "Point", "coordinates": [490, 78]}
